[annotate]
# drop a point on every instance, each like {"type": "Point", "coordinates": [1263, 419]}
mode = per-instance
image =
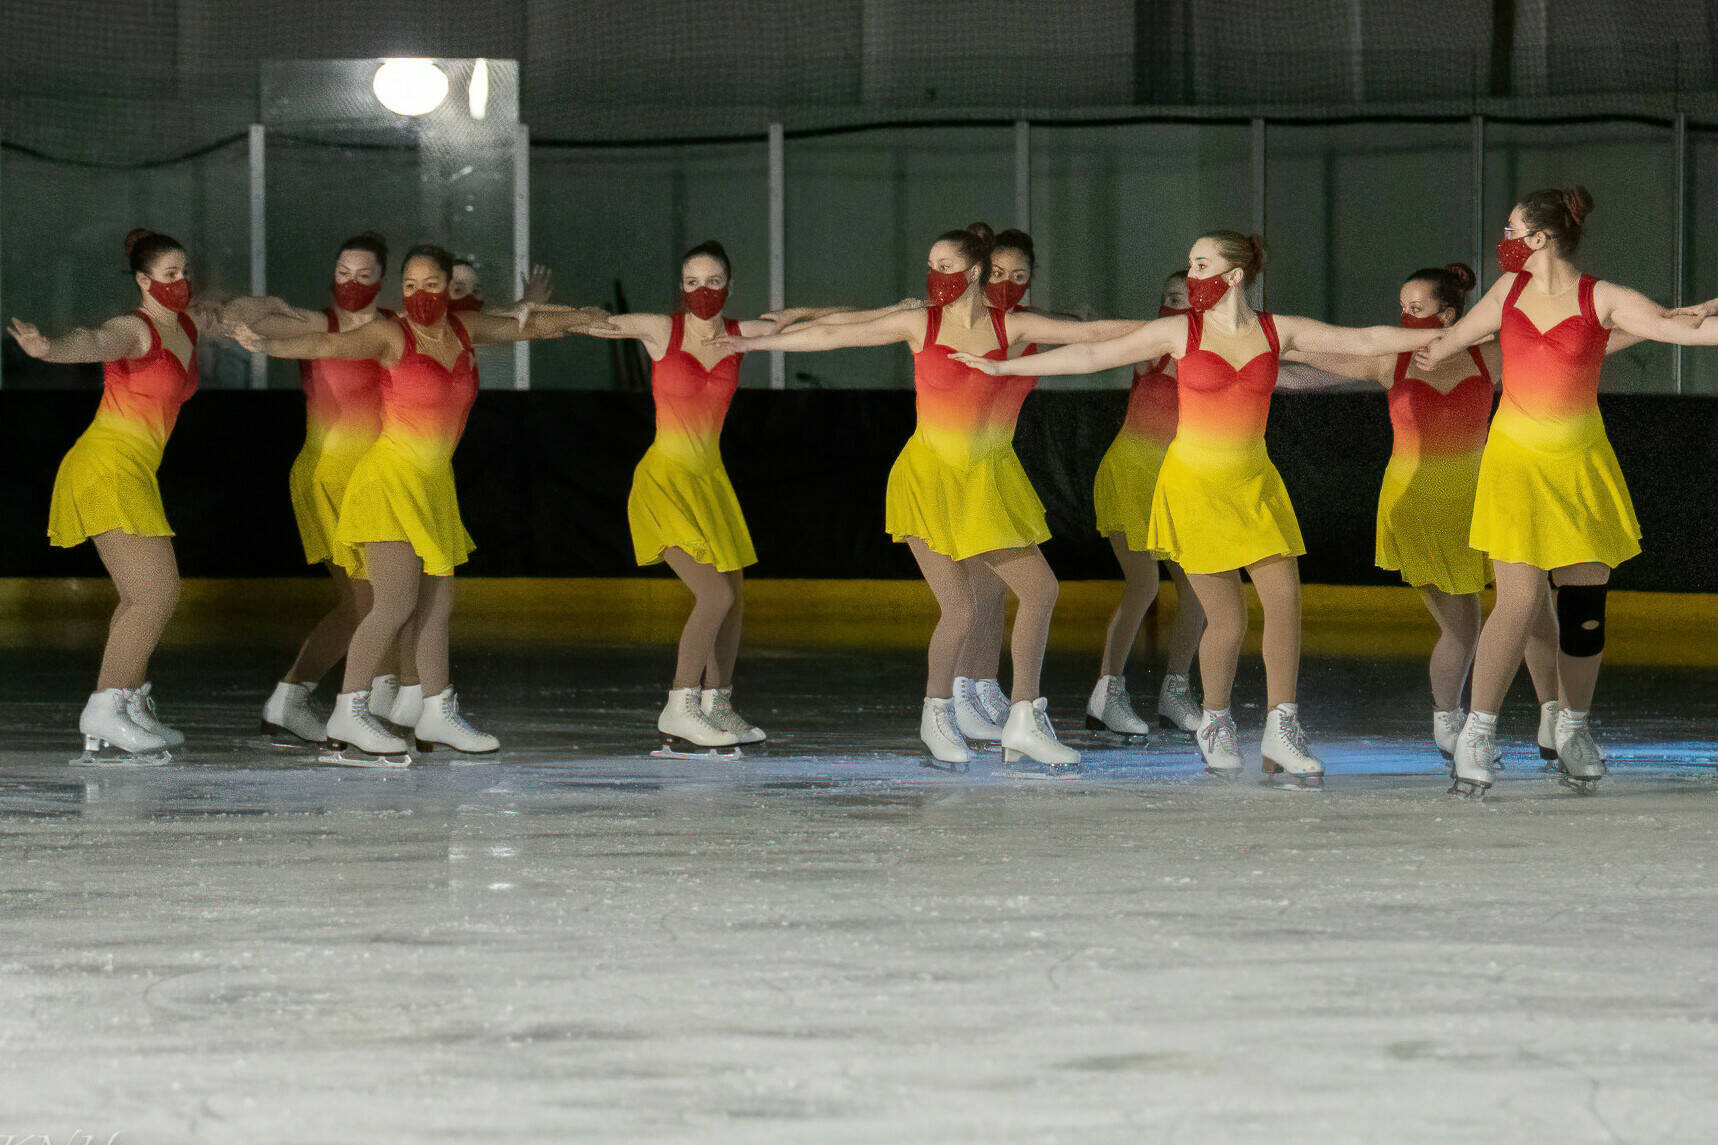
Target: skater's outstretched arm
{"type": "Point", "coordinates": [885, 330]}
{"type": "Point", "coordinates": [1146, 341]}
{"type": "Point", "coordinates": [539, 323]}
{"type": "Point", "coordinates": [1635, 314]}
{"type": "Point", "coordinates": [1036, 326]}
{"type": "Point", "coordinates": [125, 336]}
{"type": "Point", "coordinates": [1333, 370]}
{"type": "Point", "coordinates": [374, 341]}
{"type": "Point", "coordinates": [1312, 336]}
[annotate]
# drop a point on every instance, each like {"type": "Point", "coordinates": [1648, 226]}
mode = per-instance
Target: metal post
{"type": "Point", "coordinates": [1023, 175]}
{"type": "Point", "coordinates": [1679, 139]}
{"type": "Point", "coordinates": [259, 243]}
{"type": "Point", "coordinates": [778, 244]}
{"type": "Point", "coordinates": [1478, 124]}
{"type": "Point", "coordinates": [1257, 148]}
{"type": "Point", "coordinates": [2, 310]}
{"type": "Point", "coordinates": [521, 241]}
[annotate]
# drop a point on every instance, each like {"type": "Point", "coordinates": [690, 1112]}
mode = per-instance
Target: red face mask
{"type": "Point", "coordinates": [1512, 254]}
{"type": "Point", "coordinates": [175, 295]}
{"type": "Point", "coordinates": [1172, 311]}
{"type": "Point", "coordinates": [944, 286]}
{"type": "Point", "coordinates": [1204, 293]}
{"type": "Point", "coordinates": [352, 295]}
{"type": "Point", "coordinates": [427, 307]}
{"type": "Point", "coordinates": [461, 305]}
{"type": "Point", "coordinates": [1421, 322]}
{"type": "Point", "coordinates": [706, 302]}
{"type": "Point", "coordinates": [1004, 295]}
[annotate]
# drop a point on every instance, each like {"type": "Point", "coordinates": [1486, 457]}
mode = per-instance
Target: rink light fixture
{"type": "Point", "coordinates": [410, 86]}
{"type": "Point", "coordinates": [479, 93]}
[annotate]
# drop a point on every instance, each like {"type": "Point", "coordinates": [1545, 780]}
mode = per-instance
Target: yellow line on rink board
{"type": "Point", "coordinates": [1339, 620]}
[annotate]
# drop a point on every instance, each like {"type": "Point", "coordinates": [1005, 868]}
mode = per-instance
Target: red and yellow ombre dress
{"type": "Point", "coordinates": [1425, 505]}
{"type": "Point", "coordinates": [1220, 504]}
{"type": "Point", "coordinates": [106, 480]}
{"type": "Point", "coordinates": [681, 497]}
{"type": "Point", "coordinates": [958, 485]}
{"type": "Point", "coordinates": [343, 415]}
{"type": "Point", "coordinates": [402, 487]}
{"type": "Point", "coordinates": [1550, 490]}
{"type": "Point", "coordinates": [1127, 476]}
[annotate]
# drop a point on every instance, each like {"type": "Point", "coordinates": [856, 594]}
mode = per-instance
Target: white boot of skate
{"type": "Point", "coordinates": [289, 719]}
{"type": "Point", "coordinates": [1218, 744]}
{"type": "Point", "coordinates": [440, 725]}
{"type": "Point", "coordinates": [972, 716]}
{"type": "Point", "coordinates": [383, 692]}
{"type": "Point", "coordinates": [1110, 710]}
{"type": "Point", "coordinates": [1476, 747]}
{"type": "Point", "coordinates": [690, 733]}
{"type": "Point", "coordinates": [407, 709]}
{"type": "Point", "coordinates": [1446, 728]}
{"type": "Point", "coordinates": [356, 738]}
{"type": "Point", "coordinates": [1029, 735]}
{"type": "Point", "coordinates": [718, 704]}
{"type": "Point", "coordinates": [1578, 757]}
{"type": "Point", "coordinates": [140, 706]}
{"type": "Point", "coordinates": [105, 723]}
{"type": "Point", "coordinates": [1284, 753]}
{"type": "Point", "coordinates": [940, 733]}
{"type": "Point", "coordinates": [1176, 707]}
{"type": "Point", "coordinates": [1548, 735]}
{"type": "Point", "coordinates": [993, 699]}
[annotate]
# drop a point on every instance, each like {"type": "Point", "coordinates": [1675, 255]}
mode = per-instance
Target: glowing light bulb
{"type": "Point", "coordinates": [410, 86]}
{"type": "Point", "coordinates": [479, 93]}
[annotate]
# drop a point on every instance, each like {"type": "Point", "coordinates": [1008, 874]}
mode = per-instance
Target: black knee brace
{"type": "Point", "coordinates": [1581, 619]}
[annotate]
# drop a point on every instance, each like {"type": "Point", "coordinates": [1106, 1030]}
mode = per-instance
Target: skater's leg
{"type": "Point", "coordinates": [1278, 584]}
{"type": "Point", "coordinates": [1029, 578]}
{"type": "Point", "coordinates": [401, 658]}
{"type": "Point", "coordinates": [327, 642]}
{"type": "Point", "coordinates": [1188, 627]}
{"type": "Point", "coordinates": [1458, 620]}
{"type": "Point", "coordinates": [431, 621]}
{"type": "Point", "coordinates": [719, 672]}
{"type": "Point", "coordinates": [981, 656]}
{"type": "Point", "coordinates": [1541, 651]}
{"type": "Point", "coordinates": [714, 596]}
{"type": "Point", "coordinates": [951, 584]}
{"type": "Point", "coordinates": [1139, 589]}
{"type": "Point", "coordinates": [1581, 632]}
{"type": "Point", "coordinates": [146, 575]}
{"type": "Point", "coordinates": [395, 572]}
{"type": "Point", "coordinates": [1225, 607]}
{"type": "Point", "coordinates": [1504, 635]}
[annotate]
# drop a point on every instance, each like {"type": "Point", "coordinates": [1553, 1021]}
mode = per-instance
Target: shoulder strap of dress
{"type": "Point", "coordinates": [1479, 363]}
{"type": "Point", "coordinates": [999, 322]}
{"type": "Point", "coordinates": [1269, 325]}
{"type": "Point", "coordinates": [406, 329]}
{"type": "Point", "coordinates": [1402, 367]}
{"type": "Point", "coordinates": [154, 334]}
{"type": "Point", "coordinates": [677, 331]}
{"type": "Point", "coordinates": [190, 328]}
{"type": "Point", "coordinates": [1195, 330]}
{"type": "Point", "coordinates": [732, 325]}
{"type": "Point", "coordinates": [933, 323]}
{"type": "Point", "coordinates": [333, 320]}
{"type": "Point", "coordinates": [1521, 277]}
{"type": "Point", "coordinates": [459, 329]}
{"type": "Point", "coordinates": [1585, 292]}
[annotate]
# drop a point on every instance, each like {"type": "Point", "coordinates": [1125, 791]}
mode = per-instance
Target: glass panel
{"type": "Point", "coordinates": [1700, 366]}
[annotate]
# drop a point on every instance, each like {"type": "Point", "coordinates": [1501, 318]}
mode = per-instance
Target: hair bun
{"type": "Point", "coordinates": [135, 237]}
{"type": "Point", "coordinates": [985, 232]}
{"type": "Point", "coordinates": [1579, 202]}
{"type": "Point", "coordinates": [1463, 274]}
{"type": "Point", "coordinates": [1257, 242]}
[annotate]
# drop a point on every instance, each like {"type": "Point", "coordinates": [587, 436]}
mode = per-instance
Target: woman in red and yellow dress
{"type": "Point", "coordinates": [1551, 497]}
{"type": "Point", "coordinates": [1219, 505]}
{"type": "Point", "coordinates": [399, 520]}
{"type": "Point", "coordinates": [105, 491]}
{"type": "Point", "coordinates": [957, 495]}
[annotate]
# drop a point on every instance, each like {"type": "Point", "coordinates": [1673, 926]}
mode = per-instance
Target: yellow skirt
{"type": "Point", "coordinates": [317, 484]}
{"type": "Point", "coordinates": [1425, 512]}
{"type": "Point", "coordinates": [106, 481]}
{"type": "Point", "coordinates": [393, 496]}
{"type": "Point", "coordinates": [1217, 510]}
{"type": "Point", "coordinates": [1549, 509]}
{"type": "Point", "coordinates": [1121, 494]}
{"type": "Point", "coordinates": [675, 506]}
{"type": "Point", "coordinates": [962, 510]}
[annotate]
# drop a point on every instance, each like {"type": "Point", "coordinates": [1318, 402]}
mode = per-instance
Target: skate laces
{"type": "Point", "coordinates": [946, 724]}
{"type": "Point", "coordinates": [1041, 722]}
{"type": "Point", "coordinates": [457, 718]}
{"type": "Point", "coordinates": [1293, 734]}
{"type": "Point", "coordinates": [1219, 735]}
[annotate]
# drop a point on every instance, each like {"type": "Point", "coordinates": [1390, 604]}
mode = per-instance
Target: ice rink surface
{"type": "Point", "coordinates": [827, 942]}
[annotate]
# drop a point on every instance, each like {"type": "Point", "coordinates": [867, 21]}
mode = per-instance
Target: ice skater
{"type": "Point", "coordinates": [399, 519]}
{"type": "Point", "coordinates": [1219, 506]}
{"type": "Point", "coordinates": [106, 490]}
{"type": "Point", "coordinates": [1551, 508]}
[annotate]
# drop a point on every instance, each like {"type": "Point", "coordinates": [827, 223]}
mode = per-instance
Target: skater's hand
{"type": "Point", "coordinates": [983, 365]}
{"type": "Point", "coordinates": [30, 340]}
{"type": "Point", "coordinates": [1702, 310]}
{"type": "Point", "coordinates": [248, 338]}
{"type": "Point", "coordinates": [732, 343]}
{"type": "Point", "coordinates": [1428, 356]}
{"type": "Point", "coordinates": [538, 285]}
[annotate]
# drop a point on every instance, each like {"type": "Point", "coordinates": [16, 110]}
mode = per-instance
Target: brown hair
{"type": "Point", "coordinates": [1237, 249]}
{"type": "Point", "coordinates": [975, 244]}
{"type": "Point", "coordinates": [143, 246]}
{"type": "Point", "coordinates": [434, 253]}
{"type": "Point", "coordinates": [1449, 284]}
{"type": "Point", "coordinates": [710, 248]}
{"type": "Point", "coordinates": [1560, 213]}
{"type": "Point", "coordinates": [1015, 239]}
{"type": "Point", "coordinates": [371, 241]}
